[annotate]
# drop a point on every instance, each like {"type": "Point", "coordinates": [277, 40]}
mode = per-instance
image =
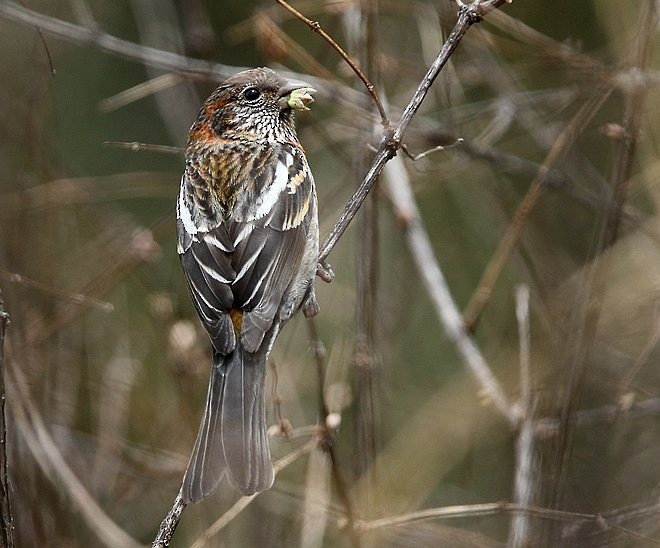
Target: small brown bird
{"type": "Point", "coordinates": [248, 242]}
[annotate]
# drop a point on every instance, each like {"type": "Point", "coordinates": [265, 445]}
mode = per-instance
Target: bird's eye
{"type": "Point", "coordinates": [252, 94]}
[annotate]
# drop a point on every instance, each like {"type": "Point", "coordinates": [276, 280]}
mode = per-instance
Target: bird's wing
{"type": "Point", "coordinates": [240, 264]}
{"type": "Point", "coordinates": [269, 254]}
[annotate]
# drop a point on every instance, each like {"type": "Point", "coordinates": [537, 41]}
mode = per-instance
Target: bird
{"type": "Point", "coordinates": [248, 242]}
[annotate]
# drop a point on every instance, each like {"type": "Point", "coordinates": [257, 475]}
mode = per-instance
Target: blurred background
{"type": "Point", "coordinates": [107, 366]}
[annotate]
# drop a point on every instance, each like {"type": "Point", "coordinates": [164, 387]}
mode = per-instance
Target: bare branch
{"type": "Point", "coordinates": [391, 141]}
{"type": "Point", "coordinates": [170, 523]}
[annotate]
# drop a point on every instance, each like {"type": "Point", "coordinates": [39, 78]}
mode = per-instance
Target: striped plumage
{"type": "Point", "coordinates": [248, 241]}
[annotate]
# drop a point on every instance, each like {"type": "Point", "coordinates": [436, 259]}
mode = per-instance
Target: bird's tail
{"type": "Point", "coordinates": [232, 437]}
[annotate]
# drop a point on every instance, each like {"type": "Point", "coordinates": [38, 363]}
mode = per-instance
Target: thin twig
{"type": "Point", "coordinates": [632, 120]}
{"type": "Point", "coordinates": [51, 66]}
{"type": "Point", "coordinates": [135, 146]}
{"type": "Point", "coordinates": [494, 508]}
{"type": "Point", "coordinates": [141, 90]}
{"type": "Point", "coordinates": [366, 358]}
{"type": "Point", "coordinates": [316, 27]}
{"type": "Point", "coordinates": [73, 297]}
{"type": "Point", "coordinates": [641, 359]}
{"type": "Point", "coordinates": [6, 519]}
{"type": "Point", "coordinates": [606, 414]}
{"type": "Point", "coordinates": [595, 275]}
{"type": "Point", "coordinates": [472, 510]}
{"type": "Point", "coordinates": [391, 141]}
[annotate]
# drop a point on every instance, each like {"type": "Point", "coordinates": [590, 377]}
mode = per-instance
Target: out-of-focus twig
{"type": "Point", "coordinates": [421, 248]}
{"type": "Point", "coordinates": [632, 119]}
{"type": "Point", "coordinates": [135, 146]}
{"type": "Point", "coordinates": [271, 33]}
{"type": "Point", "coordinates": [523, 495]}
{"type": "Point", "coordinates": [140, 91]}
{"type": "Point", "coordinates": [607, 413]}
{"type": "Point", "coordinates": [141, 247]}
{"type": "Point", "coordinates": [360, 24]}
{"type": "Point", "coordinates": [468, 15]}
{"type": "Point", "coordinates": [55, 468]}
{"type": "Point", "coordinates": [514, 232]}
{"type": "Point", "coordinates": [602, 521]}
{"type": "Point", "coordinates": [76, 298]}
{"type": "Point", "coordinates": [593, 289]}
{"type": "Point", "coordinates": [316, 27]}
{"type": "Point", "coordinates": [641, 359]}
{"type": "Point", "coordinates": [329, 427]}
{"type": "Point", "coordinates": [106, 42]}
{"type": "Point", "coordinates": [6, 520]}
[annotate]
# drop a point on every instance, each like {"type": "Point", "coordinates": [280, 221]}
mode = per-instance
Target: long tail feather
{"type": "Point", "coordinates": [232, 437]}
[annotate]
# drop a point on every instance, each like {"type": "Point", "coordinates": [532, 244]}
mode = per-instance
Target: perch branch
{"type": "Point", "coordinates": [391, 141]}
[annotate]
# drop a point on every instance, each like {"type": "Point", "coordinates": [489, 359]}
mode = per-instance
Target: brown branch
{"type": "Point", "coordinates": [468, 15]}
{"type": "Point", "coordinates": [632, 121]}
{"type": "Point", "coordinates": [316, 27]}
{"type": "Point", "coordinates": [6, 520]}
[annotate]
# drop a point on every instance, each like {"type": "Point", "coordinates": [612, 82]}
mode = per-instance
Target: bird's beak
{"type": "Point", "coordinates": [295, 94]}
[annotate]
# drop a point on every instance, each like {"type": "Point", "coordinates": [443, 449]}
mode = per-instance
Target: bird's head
{"type": "Point", "coordinates": [255, 105]}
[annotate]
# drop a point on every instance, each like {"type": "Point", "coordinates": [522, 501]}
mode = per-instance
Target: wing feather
{"type": "Point", "coordinates": [250, 257]}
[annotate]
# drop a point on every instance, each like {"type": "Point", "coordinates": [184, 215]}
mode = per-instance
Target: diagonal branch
{"type": "Point", "coordinates": [391, 142]}
{"type": "Point", "coordinates": [446, 309]}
